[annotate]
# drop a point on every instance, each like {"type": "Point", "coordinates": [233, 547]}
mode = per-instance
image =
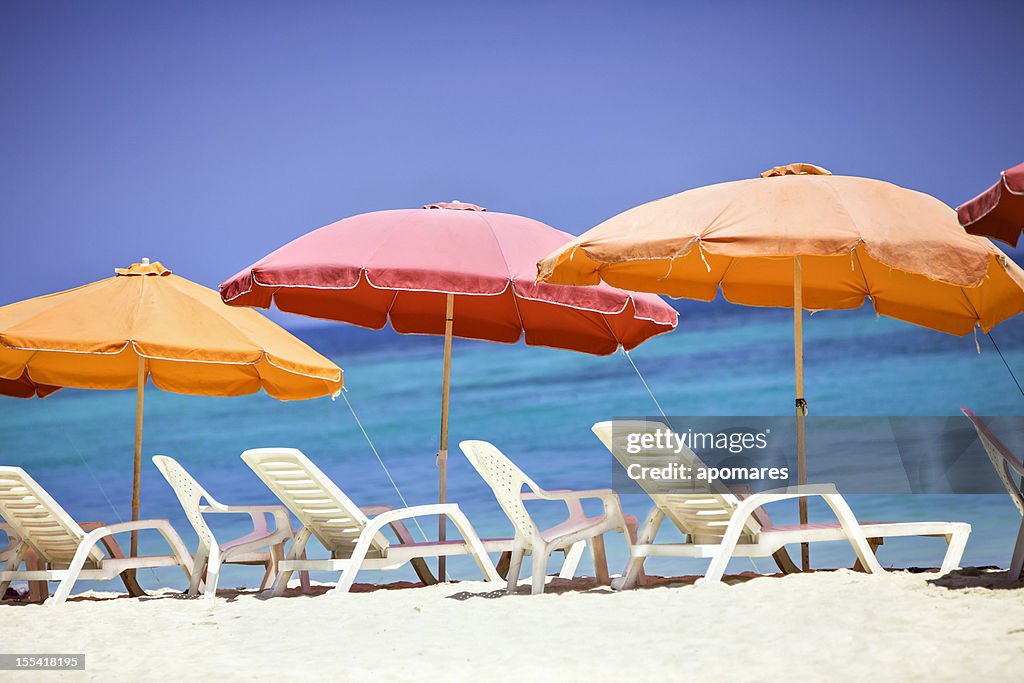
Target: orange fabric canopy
{"type": "Point", "coordinates": [92, 338]}
{"type": "Point", "coordinates": [856, 237]}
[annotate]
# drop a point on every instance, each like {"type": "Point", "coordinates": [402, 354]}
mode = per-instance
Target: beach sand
{"type": "Point", "coordinates": [838, 625]}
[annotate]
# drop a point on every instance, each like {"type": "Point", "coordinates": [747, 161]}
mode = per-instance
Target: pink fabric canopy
{"type": "Point", "coordinates": [400, 265]}
{"type": "Point", "coordinates": [997, 212]}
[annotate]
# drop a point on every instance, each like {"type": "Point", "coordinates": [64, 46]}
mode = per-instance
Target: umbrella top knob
{"type": "Point", "coordinates": [454, 204]}
{"type": "Point", "coordinates": [144, 268]}
{"type": "Point", "coordinates": [795, 169]}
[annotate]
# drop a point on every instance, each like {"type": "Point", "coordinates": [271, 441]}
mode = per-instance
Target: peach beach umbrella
{"type": "Point", "coordinates": [452, 269]}
{"type": "Point", "coordinates": [998, 212]}
{"type": "Point", "coordinates": [799, 237]}
{"type": "Point", "coordinates": [146, 323]}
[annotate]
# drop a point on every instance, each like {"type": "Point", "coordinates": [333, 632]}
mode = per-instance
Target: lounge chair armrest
{"type": "Point", "coordinates": [122, 527]}
{"type": "Point", "coordinates": [433, 509]}
{"type": "Point", "coordinates": [828, 493]}
{"type": "Point", "coordinates": [449, 510]}
{"type": "Point", "coordinates": [89, 541]}
{"type": "Point", "coordinates": [788, 492]}
{"type": "Point", "coordinates": [162, 525]}
{"type": "Point", "coordinates": [573, 501]}
{"type": "Point", "coordinates": [567, 494]}
{"type": "Point", "coordinates": [256, 512]}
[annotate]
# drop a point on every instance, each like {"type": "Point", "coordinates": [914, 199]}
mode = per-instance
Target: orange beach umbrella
{"type": "Point", "coordinates": [799, 237]}
{"type": "Point", "coordinates": [147, 323]}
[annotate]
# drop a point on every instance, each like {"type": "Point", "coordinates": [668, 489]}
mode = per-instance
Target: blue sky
{"type": "Point", "coordinates": [207, 134]}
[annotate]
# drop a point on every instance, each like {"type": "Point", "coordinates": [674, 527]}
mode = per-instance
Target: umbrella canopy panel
{"type": "Point", "coordinates": [857, 238]}
{"type": "Point", "coordinates": [998, 211]}
{"type": "Point", "coordinates": [401, 265]}
{"type": "Point", "coordinates": [24, 387]}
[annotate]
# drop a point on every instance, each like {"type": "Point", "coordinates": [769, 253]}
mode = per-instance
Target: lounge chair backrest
{"type": "Point", "coordinates": [312, 497]}
{"type": "Point", "coordinates": [190, 494]}
{"type": "Point", "coordinates": [506, 481]}
{"type": "Point", "coordinates": [1002, 459]}
{"type": "Point", "coordinates": [38, 519]}
{"type": "Point", "coordinates": [702, 516]}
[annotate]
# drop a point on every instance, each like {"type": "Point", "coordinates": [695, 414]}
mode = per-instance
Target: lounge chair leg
{"type": "Point", "coordinates": [512, 578]}
{"type": "Point", "coordinates": [212, 574]}
{"type": "Point", "coordinates": [74, 569]}
{"type": "Point", "coordinates": [12, 564]}
{"type": "Point", "coordinates": [572, 560]}
{"type": "Point", "coordinates": [419, 565]}
{"type": "Point", "coordinates": [280, 584]}
{"type": "Point", "coordinates": [1017, 562]}
{"type": "Point", "coordinates": [785, 563]}
{"type": "Point", "coordinates": [268, 575]}
{"type": "Point", "coordinates": [503, 562]}
{"type": "Point", "coordinates": [297, 551]}
{"type": "Point", "coordinates": [38, 591]}
{"type": "Point", "coordinates": [475, 545]}
{"type": "Point", "coordinates": [600, 560]}
{"type": "Point", "coordinates": [854, 533]}
{"type": "Point", "coordinates": [634, 570]}
{"type": "Point", "coordinates": [955, 551]}
{"type": "Point", "coordinates": [276, 555]}
{"type": "Point", "coordinates": [720, 560]}
{"type": "Point", "coordinates": [540, 568]}
{"type": "Point", "coordinates": [873, 543]}
{"type": "Point", "coordinates": [631, 577]}
{"type": "Point", "coordinates": [632, 533]}
{"type": "Point", "coordinates": [198, 568]}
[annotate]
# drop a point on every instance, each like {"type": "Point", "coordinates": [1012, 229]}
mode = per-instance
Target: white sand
{"type": "Point", "coordinates": [836, 625]}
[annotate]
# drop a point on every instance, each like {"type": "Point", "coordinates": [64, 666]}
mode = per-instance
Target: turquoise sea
{"type": "Point", "coordinates": [537, 405]}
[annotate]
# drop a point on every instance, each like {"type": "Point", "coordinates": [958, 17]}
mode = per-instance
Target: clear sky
{"type": "Point", "coordinates": [206, 134]}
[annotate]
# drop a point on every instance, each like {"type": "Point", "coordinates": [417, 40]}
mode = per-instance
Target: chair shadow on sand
{"type": "Point", "coordinates": [990, 577]}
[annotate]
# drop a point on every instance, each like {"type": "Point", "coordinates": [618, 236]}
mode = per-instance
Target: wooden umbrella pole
{"type": "Point", "coordinates": [140, 390]}
{"type": "Point", "coordinates": [801, 404]}
{"type": "Point", "coordinates": [442, 453]}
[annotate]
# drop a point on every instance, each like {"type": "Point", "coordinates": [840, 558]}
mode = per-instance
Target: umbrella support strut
{"type": "Point", "coordinates": [801, 403]}
{"type": "Point", "coordinates": [442, 453]}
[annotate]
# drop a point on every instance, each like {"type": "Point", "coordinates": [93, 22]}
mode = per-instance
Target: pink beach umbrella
{"type": "Point", "coordinates": [451, 269]}
{"type": "Point", "coordinates": [998, 211]}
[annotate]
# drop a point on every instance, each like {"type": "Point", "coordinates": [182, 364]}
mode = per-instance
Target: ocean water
{"type": "Point", "coordinates": [537, 405]}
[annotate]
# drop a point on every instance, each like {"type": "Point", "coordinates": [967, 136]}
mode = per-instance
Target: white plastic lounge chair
{"type": "Point", "coordinates": [68, 551]}
{"type": "Point", "coordinates": [720, 525]}
{"type": "Point", "coordinates": [507, 482]}
{"type": "Point", "coordinates": [262, 546]}
{"type": "Point", "coordinates": [1004, 461]}
{"type": "Point", "coordinates": [354, 540]}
